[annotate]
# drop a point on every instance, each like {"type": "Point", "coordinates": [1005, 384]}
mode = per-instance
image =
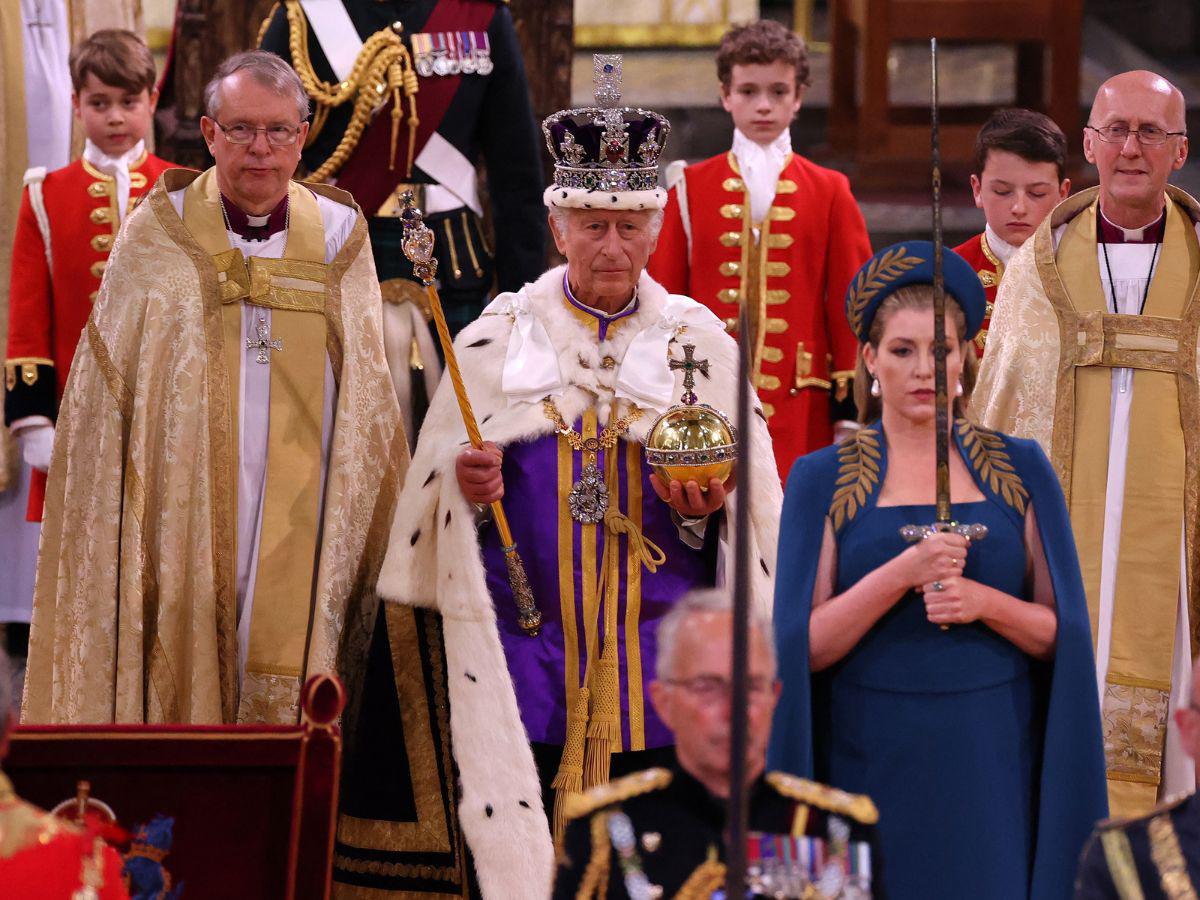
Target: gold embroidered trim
{"type": "Point", "coordinates": [595, 877]}
{"type": "Point", "coordinates": [1133, 716]}
{"type": "Point", "coordinates": [879, 273]}
{"type": "Point", "coordinates": [857, 806]}
{"type": "Point", "coordinates": [376, 867]}
{"type": "Point", "coordinates": [602, 795]}
{"type": "Point", "coordinates": [858, 475]}
{"type": "Point", "coordinates": [1119, 856]}
{"type": "Point", "coordinates": [987, 454]}
{"type": "Point", "coordinates": [707, 878]}
{"type": "Point", "coordinates": [1168, 858]}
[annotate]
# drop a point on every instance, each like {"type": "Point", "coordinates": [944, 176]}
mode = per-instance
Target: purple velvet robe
{"type": "Point", "coordinates": [562, 557]}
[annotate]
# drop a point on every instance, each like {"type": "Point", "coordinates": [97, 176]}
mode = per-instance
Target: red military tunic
{"type": "Point", "coordinates": [795, 273]}
{"type": "Point", "coordinates": [49, 304]}
{"type": "Point", "coordinates": [990, 270]}
{"type": "Point", "coordinates": [44, 858]}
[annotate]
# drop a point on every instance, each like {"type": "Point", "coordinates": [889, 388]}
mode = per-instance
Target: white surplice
{"type": "Point", "coordinates": [1131, 273]}
{"type": "Point", "coordinates": [254, 404]}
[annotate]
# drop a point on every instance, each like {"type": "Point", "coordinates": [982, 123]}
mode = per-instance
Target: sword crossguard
{"type": "Point", "coordinates": [914, 533]}
{"type": "Point", "coordinates": [417, 242]}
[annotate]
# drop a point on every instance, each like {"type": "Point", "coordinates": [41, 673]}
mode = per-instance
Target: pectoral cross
{"type": "Point", "coordinates": [690, 367]}
{"type": "Point", "coordinates": [263, 343]}
{"type": "Point", "coordinates": [37, 24]}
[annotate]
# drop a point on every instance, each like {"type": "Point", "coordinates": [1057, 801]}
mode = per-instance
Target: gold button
{"type": "Point", "coordinates": [734, 184]}
{"type": "Point", "coordinates": [102, 242]}
{"type": "Point", "coordinates": [728, 295]}
{"type": "Point", "coordinates": [98, 189]}
{"type": "Point", "coordinates": [768, 409]}
{"type": "Point", "coordinates": [731, 325]}
{"type": "Point", "coordinates": [101, 215]}
{"type": "Point", "coordinates": [398, 26]}
{"type": "Point", "coordinates": [730, 268]}
{"type": "Point", "coordinates": [93, 295]}
{"type": "Point", "coordinates": [98, 268]}
{"type": "Point", "coordinates": [732, 211]}
{"type": "Point", "coordinates": [731, 239]}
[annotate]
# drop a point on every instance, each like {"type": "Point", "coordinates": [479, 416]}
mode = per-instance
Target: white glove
{"type": "Point", "coordinates": [37, 444]}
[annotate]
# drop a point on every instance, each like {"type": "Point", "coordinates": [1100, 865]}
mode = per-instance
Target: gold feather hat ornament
{"type": "Point", "coordinates": [911, 262]}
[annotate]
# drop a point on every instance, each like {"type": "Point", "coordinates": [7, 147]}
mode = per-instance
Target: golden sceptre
{"type": "Point", "coordinates": [418, 247]}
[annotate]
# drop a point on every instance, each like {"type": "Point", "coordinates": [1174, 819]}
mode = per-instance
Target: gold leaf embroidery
{"type": "Point", "coordinates": [878, 274]}
{"type": "Point", "coordinates": [858, 475]}
{"type": "Point", "coordinates": [1168, 858]}
{"type": "Point", "coordinates": [985, 449]}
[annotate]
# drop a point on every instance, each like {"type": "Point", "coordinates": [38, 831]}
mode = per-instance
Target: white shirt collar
{"type": "Point", "coordinates": [109, 165]}
{"type": "Point", "coordinates": [1001, 248]}
{"type": "Point", "coordinates": [1131, 234]}
{"type": "Point", "coordinates": [760, 165]}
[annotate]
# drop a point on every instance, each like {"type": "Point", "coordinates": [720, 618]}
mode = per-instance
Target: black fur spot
{"type": "Point", "coordinates": [766, 571]}
{"type": "Point", "coordinates": [416, 536]}
{"type": "Point", "coordinates": [447, 525]}
{"type": "Point", "coordinates": [471, 678]}
{"type": "Point", "coordinates": [432, 475]}
{"type": "Point", "coordinates": [484, 420]}
{"type": "Point", "coordinates": [482, 342]}
{"type": "Point", "coordinates": [564, 193]}
{"type": "Point", "coordinates": [758, 412]}
{"type": "Point", "coordinates": [488, 810]}
{"type": "Point", "coordinates": [524, 803]}
{"type": "Point", "coordinates": [614, 198]}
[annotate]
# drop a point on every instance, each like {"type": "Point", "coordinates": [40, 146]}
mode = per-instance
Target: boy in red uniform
{"type": "Point", "coordinates": [1020, 157]}
{"type": "Point", "coordinates": [68, 221]}
{"type": "Point", "coordinates": [763, 225]}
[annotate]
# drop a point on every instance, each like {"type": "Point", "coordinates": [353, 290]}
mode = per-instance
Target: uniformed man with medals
{"type": "Point", "coordinates": [408, 94]}
{"type": "Point", "coordinates": [662, 832]}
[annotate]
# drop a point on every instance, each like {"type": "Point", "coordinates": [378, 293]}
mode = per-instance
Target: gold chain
{"type": "Point", "coordinates": [605, 440]}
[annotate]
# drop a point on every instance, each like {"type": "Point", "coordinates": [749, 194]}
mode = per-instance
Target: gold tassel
{"type": "Point", "coordinates": [604, 725]}
{"type": "Point", "coordinates": [569, 780]}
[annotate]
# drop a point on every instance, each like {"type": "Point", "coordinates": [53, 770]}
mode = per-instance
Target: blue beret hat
{"type": "Point", "coordinates": [911, 262]}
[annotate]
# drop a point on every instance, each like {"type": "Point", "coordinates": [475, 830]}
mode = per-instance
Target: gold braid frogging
{"type": "Point", "coordinates": [383, 66]}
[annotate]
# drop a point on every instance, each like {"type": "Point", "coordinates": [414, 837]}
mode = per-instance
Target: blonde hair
{"type": "Point", "coordinates": [918, 297]}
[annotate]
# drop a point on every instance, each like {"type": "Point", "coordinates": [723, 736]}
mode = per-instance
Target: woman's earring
{"type": "Point", "coordinates": [958, 391]}
{"type": "Point", "coordinates": [875, 391]}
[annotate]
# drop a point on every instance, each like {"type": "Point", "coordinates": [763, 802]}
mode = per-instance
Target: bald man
{"type": "Point", "coordinates": [1152, 856]}
{"type": "Point", "coordinates": [1092, 352]}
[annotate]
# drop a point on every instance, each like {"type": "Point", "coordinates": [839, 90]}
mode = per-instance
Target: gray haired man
{"type": "Point", "coordinates": [667, 826]}
{"type": "Point", "coordinates": [229, 446]}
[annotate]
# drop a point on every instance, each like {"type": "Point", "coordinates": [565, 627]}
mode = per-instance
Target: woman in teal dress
{"type": "Point", "coordinates": [952, 680]}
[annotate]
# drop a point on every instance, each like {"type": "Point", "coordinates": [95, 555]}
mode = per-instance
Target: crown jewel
{"type": "Point", "coordinates": [606, 147]}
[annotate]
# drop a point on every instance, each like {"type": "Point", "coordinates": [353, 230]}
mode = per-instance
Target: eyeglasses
{"type": "Point", "coordinates": [1148, 135]}
{"type": "Point", "coordinates": [713, 688]}
{"type": "Point", "coordinates": [277, 135]}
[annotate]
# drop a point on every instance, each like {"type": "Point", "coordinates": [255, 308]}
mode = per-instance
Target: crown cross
{"type": "Point", "coordinates": [690, 366]}
{"type": "Point", "coordinates": [606, 78]}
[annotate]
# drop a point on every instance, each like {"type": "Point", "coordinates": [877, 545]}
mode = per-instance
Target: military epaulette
{"type": "Point", "coordinates": [857, 806]}
{"type": "Point", "coordinates": [580, 805]}
{"type": "Point", "coordinates": [1166, 805]}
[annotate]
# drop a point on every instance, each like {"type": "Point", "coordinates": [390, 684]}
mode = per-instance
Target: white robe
{"type": "Point", "coordinates": [1130, 264]}
{"type": "Point", "coordinates": [254, 402]}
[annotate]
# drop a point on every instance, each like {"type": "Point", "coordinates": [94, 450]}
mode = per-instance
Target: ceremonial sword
{"type": "Point", "coordinates": [737, 814]}
{"type": "Point", "coordinates": [418, 247]}
{"type": "Point", "coordinates": [943, 521]}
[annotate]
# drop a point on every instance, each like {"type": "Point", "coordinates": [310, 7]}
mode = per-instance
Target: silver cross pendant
{"type": "Point", "coordinates": [263, 343]}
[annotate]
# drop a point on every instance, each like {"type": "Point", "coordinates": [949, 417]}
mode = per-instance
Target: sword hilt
{"type": "Point", "coordinates": [972, 532]}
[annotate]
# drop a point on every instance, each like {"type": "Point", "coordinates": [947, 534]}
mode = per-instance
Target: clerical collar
{"type": "Point", "coordinates": [255, 228]}
{"type": "Point", "coordinates": [1001, 248]}
{"type": "Point", "coordinates": [1108, 233]}
{"type": "Point", "coordinates": [605, 319]}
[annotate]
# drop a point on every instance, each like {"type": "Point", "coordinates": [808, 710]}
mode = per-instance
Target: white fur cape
{"type": "Point", "coordinates": [433, 557]}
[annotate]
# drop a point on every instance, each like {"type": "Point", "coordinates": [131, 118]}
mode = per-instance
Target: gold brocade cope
{"type": "Point", "coordinates": [1147, 588]}
{"type": "Point", "coordinates": [293, 288]}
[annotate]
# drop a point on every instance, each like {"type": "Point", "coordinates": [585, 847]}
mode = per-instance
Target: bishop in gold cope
{"type": "Point", "coordinates": [229, 447]}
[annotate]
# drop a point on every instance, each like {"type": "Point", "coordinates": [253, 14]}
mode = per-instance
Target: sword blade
{"type": "Point", "coordinates": [942, 410]}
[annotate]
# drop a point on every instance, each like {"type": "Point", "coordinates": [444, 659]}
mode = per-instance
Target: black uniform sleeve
{"type": "Point", "coordinates": [573, 862]}
{"type": "Point", "coordinates": [23, 398]}
{"type": "Point", "coordinates": [1094, 881]}
{"type": "Point", "coordinates": [508, 138]}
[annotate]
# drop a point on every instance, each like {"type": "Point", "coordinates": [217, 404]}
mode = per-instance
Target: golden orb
{"type": "Point", "coordinates": [692, 443]}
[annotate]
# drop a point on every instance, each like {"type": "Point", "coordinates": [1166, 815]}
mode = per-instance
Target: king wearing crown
{"type": "Point", "coordinates": [566, 378]}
